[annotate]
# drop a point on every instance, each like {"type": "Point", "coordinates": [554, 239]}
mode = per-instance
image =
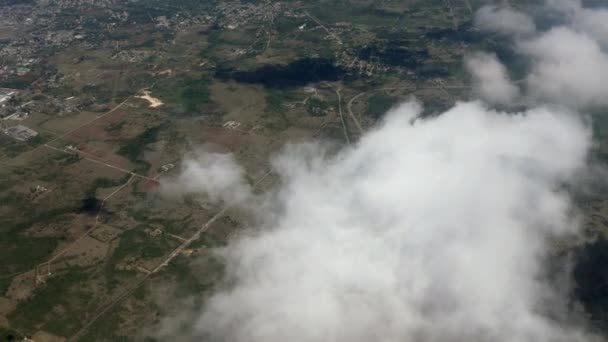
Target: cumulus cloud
{"type": "Point", "coordinates": [216, 175]}
{"type": "Point", "coordinates": [503, 20]}
{"type": "Point", "coordinates": [594, 22]}
{"type": "Point", "coordinates": [568, 62]}
{"type": "Point", "coordinates": [490, 80]}
{"type": "Point", "coordinates": [568, 67]}
{"type": "Point", "coordinates": [427, 230]}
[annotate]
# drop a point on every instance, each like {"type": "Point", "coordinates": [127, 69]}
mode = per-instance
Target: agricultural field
{"type": "Point", "coordinates": [120, 91]}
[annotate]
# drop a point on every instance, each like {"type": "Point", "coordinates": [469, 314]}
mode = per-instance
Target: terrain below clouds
{"type": "Point", "coordinates": [422, 228]}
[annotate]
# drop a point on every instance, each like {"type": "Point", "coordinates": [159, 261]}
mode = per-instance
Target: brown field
{"type": "Point", "coordinates": [105, 233]}
{"type": "Point", "coordinates": [240, 103]}
{"type": "Point", "coordinates": [64, 124]}
{"type": "Point", "coordinates": [43, 336]}
{"type": "Point", "coordinates": [88, 251]}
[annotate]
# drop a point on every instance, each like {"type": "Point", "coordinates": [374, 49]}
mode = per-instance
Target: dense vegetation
{"type": "Point", "coordinates": [297, 73]}
{"type": "Point", "coordinates": [135, 148]}
{"type": "Point", "coordinates": [379, 104]}
{"type": "Point", "coordinates": [398, 53]}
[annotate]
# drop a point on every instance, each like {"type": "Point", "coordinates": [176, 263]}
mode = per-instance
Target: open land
{"type": "Point", "coordinates": [118, 90]}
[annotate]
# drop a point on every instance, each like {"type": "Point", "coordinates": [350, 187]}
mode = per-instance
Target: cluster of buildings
{"type": "Point", "coordinates": [362, 67]}
{"type": "Point", "coordinates": [6, 95]}
{"type": "Point", "coordinates": [42, 28]}
{"type": "Point", "coordinates": [132, 55]}
{"type": "Point", "coordinates": [8, 111]}
{"type": "Point", "coordinates": [7, 107]}
{"type": "Point", "coordinates": [20, 133]}
{"type": "Point", "coordinates": [235, 14]}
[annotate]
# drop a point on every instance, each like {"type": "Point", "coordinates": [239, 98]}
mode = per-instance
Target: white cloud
{"type": "Point", "coordinates": [564, 6]}
{"type": "Point", "coordinates": [427, 230]}
{"type": "Point", "coordinates": [490, 80]}
{"type": "Point", "coordinates": [568, 67]}
{"type": "Point", "coordinates": [503, 20]}
{"type": "Point", "coordinates": [594, 22]}
{"type": "Point", "coordinates": [216, 175]}
{"type": "Point", "coordinates": [568, 63]}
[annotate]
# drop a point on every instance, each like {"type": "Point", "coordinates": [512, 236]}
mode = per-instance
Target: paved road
{"type": "Point", "coordinates": [344, 128]}
{"type": "Point", "coordinates": [49, 262]}
{"type": "Point", "coordinates": [333, 35]}
{"type": "Point", "coordinates": [87, 157]}
{"type": "Point", "coordinates": [469, 7]}
{"type": "Point", "coordinates": [93, 120]}
{"type": "Point", "coordinates": [349, 104]}
{"type": "Point", "coordinates": [165, 262]}
{"type": "Point", "coordinates": [186, 242]}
